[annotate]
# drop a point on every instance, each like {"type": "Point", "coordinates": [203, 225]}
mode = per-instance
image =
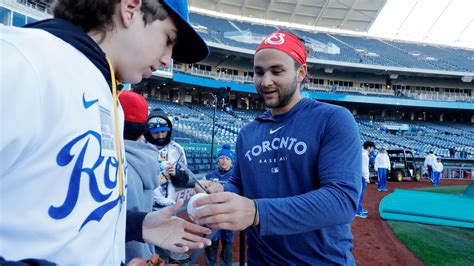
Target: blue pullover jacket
{"type": "Point", "coordinates": [303, 168]}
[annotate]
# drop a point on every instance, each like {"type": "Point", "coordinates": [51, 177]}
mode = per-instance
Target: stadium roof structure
{"type": "Point", "coordinates": [44, 5]}
{"type": "Point", "coordinates": [350, 15]}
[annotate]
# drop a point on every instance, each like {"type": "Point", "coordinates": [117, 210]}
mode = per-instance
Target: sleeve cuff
{"type": "Point", "coordinates": [134, 226]}
{"type": "Point", "coordinates": [262, 211]}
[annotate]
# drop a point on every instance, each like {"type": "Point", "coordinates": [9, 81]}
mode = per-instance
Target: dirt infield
{"type": "Point", "coordinates": [374, 241]}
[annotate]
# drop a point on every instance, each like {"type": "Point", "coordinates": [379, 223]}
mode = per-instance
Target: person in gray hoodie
{"type": "Point", "coordinates": [142, 170]}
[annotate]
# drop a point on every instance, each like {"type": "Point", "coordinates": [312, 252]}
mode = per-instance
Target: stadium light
{"type": "Point", "coordinates": [393, 76]}
{"type": "Point", "coordinates": [328, 70]}
{"type": "Point", "coordinates": [466, 79]}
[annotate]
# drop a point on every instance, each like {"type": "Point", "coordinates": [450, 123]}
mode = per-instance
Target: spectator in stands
{"type": "Point", "coordinates": [382, 166]}
{"type": "Point", "coordinates": [452, 152]}
{"type": "Point", "coordinates": [437, 170]}
{"type": "Point", "coordinates": [70, 166]}
{"type": "Point", "coordinates": [297, 164]}
{"type": "Point", "coordinates": [368, 147]}
{"type": "Point", "coordinates": [222, 174]}
{"type": "Point", "coordinates": [428, 164]}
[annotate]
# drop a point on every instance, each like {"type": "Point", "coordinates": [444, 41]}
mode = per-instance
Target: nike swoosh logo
{"type": "Point", "coordinates": [275, 130]}
{"type": "Point", "coordinates": [88, 104]}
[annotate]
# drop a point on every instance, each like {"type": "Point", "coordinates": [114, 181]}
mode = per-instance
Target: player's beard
{"type": "Point", "coordinates": [284, 96]}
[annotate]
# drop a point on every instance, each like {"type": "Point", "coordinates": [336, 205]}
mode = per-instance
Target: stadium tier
{"type": "Point", "coordinates": [325, 46]}
{"type": "Point", "coordinates": [345, 48]}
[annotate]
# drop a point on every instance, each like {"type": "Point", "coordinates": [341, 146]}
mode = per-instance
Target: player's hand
{"type": "Point", "coordinates": [211, 187]}
{"type": "Point", "coordinates": [224, 210]}
{"type": "Point", "coordinates": [162, 229]}
{"type": "Point", "coordinates": [170, 169]}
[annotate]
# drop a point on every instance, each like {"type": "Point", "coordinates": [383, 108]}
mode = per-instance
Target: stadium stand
{"type": "Point", "coordinates": [193, 124]}
{"type": "Point", "coordinates": [352, 49]}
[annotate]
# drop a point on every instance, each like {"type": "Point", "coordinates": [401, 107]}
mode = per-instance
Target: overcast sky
{"type": "Point", "coordinates": [455, 25]}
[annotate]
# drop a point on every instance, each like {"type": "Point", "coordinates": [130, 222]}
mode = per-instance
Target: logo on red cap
{"type": "Point", "coordinates": [276, 38]}
{"type": "Point", "coordinates": [287, 43]}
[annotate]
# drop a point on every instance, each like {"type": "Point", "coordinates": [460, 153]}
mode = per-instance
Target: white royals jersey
{"type": "Point", "coordinates": [59, 185]}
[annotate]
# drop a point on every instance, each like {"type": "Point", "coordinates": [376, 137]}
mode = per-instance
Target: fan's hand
{"type": "Point", "coordinates": [162, 229]}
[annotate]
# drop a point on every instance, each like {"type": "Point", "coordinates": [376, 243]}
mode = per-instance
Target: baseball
{"type": "Point", "coordinates": [190, 207]}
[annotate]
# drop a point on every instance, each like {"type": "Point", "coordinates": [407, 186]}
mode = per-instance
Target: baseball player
{"type": "Point", "coordinates": [296, 176]}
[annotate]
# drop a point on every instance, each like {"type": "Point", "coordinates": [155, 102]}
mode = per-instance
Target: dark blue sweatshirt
{"type": "Point", "coordinates": [303, 167]}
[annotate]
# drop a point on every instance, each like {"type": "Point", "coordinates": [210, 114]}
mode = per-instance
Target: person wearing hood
{"type": "Point", "coordinates": [171, 157]}
{"type": "Point", "coordinates": [225, 160]}
{"type": "Point", "coordinates": [72, 164]}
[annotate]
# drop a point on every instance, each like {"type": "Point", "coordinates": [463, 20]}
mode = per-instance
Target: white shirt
{"type": "Point", "coordinates": [430, 159]}
{"type": "Point", "coordinates": [171, 153]}
{"type": "Point", "coordinates": [438, 167]}
{"type": "Point", "coordinates": [365, 165]}
{"type": "Point", "coordinates": [382, 161]}
{"type": "Point", "coordinates": [58, 185]}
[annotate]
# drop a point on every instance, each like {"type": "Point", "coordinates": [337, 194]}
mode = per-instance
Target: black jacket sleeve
{"type": "Point", "coordinates": [180, 179]}
{"type": "Point", "coordinates": [133, 227]}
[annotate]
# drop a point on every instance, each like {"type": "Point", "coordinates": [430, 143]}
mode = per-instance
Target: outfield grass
{"type": "Point", "coordinates": [438, 245]}
{"type": "Point", "coordinates": [457, 190]}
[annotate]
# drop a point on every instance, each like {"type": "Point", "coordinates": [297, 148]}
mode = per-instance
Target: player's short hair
{"type": "Point", "coordinates": [97, 15]}
{"type": "Point", "coordinates": [368, 144]}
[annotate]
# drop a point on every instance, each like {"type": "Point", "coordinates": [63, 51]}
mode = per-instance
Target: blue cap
{"type": "Point", "coordinates": [190, 47]}
{"type": "Point", "coordinates": [225, 151]}
{"type": "Point", "coordinates": [157, 124]}
{"type": "Point", "coordinates": [159, 129]}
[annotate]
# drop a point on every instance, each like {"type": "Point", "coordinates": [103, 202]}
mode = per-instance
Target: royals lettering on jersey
{"type": "Point", "coordinates": [90, 168]}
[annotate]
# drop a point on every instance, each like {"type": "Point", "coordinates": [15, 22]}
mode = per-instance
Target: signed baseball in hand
{"type": "Point", "coordinates": [191, 201]}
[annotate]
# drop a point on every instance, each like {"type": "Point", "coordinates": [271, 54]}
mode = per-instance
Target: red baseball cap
{"type": "Point", "coordinates": [135, 107]}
